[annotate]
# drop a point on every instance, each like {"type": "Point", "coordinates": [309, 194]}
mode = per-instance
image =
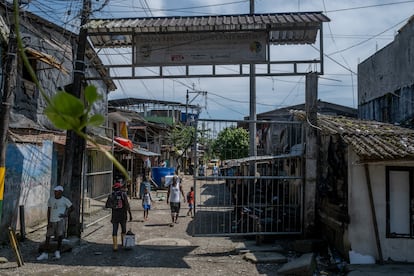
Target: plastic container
{"type": "Point", "coordinates": [159, 173]}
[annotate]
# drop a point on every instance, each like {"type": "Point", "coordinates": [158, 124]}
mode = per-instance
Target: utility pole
{"type": "Point", "coordinates": [194, 124]}
{"type": "Point", "coordinates": [252, 115]}
{"type": "Point", "coordinates": [252, 124]}
{"type": "Point", "coordinates": [75, 145]}
{"type": "Point", "coordinates": [187, 102]}
{"type": "Point", "coordinates": [8, 87]}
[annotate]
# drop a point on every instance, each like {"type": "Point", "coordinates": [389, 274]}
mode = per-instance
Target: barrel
{"type": "Point", "coordinates": [159, 173]}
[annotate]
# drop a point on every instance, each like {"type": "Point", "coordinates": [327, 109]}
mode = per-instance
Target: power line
{"type": "Point", "coordinates": [178, 9]}
{"type": "Point", "coordinates": [368, 39]}
{"type": "Point", "coordinates": [371, 6]}
{"type": "Point", "coordinates": [227, 107]}
{"type": "Point", "coordinates": [237, 101]}
{"type": "Point", "coordinates": [343, 58]}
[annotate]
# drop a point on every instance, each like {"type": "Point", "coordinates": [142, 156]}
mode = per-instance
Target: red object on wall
{"type": "Point", "coordinates": [125, 142]}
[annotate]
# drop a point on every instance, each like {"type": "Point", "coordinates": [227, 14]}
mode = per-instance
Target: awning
{"type": "Point", "coordinates": [124, 142]}
{"type": "Point", "coordinates": [37, 137]}
{"type": "Point", "coordinates": [146, 152]}
{"type": "Point", "coordinates": [128, 145]}
{"type": "Point", "coordinates": [46, 58]}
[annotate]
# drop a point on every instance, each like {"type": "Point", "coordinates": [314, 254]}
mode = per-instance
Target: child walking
{"type": "Point", "coordinates": [190, 200]}
{"type": "Point", "coordinates": [146, 203]}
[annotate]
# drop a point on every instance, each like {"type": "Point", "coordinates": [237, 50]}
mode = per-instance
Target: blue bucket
{"type": "Point", "coordinates": [159, 173]}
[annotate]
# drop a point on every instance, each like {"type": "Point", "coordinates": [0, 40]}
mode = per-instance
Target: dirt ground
{"type": "Point", "coordinates": [160, 249]}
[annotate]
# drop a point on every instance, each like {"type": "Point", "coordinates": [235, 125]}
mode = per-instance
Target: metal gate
{"type": "Point", "coordinates": [256, 195]}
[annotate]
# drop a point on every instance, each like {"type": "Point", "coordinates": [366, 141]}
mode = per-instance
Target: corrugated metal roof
{"type": "Point", "coordinates": [123, 102]}
{"type": "Point", "coordinates": [371, 140]}
{"type": "Point", "coordinates": [283, 28]}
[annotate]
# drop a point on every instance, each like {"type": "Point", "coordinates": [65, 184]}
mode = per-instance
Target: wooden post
{"type": "Point", "coordinates": [16, 248]}
{"type": "Point", "coordinates": [373, 214]}
{"type": "Point", "coordinates": [312, 149]}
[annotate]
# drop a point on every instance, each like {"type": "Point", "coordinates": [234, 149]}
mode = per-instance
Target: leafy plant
{"type": "Point", "coordinates": [181, 136]}
{"type": "Point", "coordinates": [232, 143]}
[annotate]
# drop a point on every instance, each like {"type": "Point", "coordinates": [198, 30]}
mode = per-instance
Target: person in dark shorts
{"type": "Point", "coordinates": [120, 207]}
{"type": "Point", "coordinates": [58, 210]}
{"type": "Point", "coordinates": [146, 203]}
{"type": "Point", "coordinates": [190, 201]}
{"type": "Point", "coordinates": [175, 190]}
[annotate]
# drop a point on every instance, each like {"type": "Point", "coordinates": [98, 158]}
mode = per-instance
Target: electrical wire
{"type": "Point", "coordinates": [343, 58]}
{"type": "Point", "coordinates": [370, 38]}
{"type": "Point", "coordinates": [70, 22]}
{"type": "Point", "coordinates": [371, 6]}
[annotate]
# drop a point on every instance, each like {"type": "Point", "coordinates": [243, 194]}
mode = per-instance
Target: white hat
{"type": "Point", "coordinates": [58, 188]}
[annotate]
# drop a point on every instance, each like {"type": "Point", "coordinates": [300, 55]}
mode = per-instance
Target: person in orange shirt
{"type": "Point", "coordinates": [190, 200]}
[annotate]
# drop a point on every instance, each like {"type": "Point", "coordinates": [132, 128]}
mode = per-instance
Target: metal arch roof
{"type": "Point", "coordinates": [124, 102]}
{"type": "Point", "coordinates": [283, 28]}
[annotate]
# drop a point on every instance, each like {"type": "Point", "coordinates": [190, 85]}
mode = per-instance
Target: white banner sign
{"type": "Point", "coordinates": [200, 48]}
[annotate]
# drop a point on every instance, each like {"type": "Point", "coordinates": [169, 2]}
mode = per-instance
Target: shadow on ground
{"type": "Point", "coordinates": [94, 254]}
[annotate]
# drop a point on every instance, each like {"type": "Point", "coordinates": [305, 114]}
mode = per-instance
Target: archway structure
{"type": "Point", "coordinates": [160, 43]}
{"type": "Point", "coordinates": [152, 47]}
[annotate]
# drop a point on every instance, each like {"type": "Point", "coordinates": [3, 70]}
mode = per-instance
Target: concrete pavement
{"type": "Point", "coordinates": [164, 250]}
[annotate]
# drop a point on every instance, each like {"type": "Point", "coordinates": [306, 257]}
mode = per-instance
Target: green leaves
{"type": "Point", "coordinates": [68, 112]}
{"type": "Point", "coordinates": [65, 111]}
{"type": "Point", "coordinates": [232, 143]}
{"type": "Point", "coordinates": [91, 95]}
{"type": "Point", "coordinates": [181, 137]}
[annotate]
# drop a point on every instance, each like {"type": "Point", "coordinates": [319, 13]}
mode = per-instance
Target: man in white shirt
{"type": "Point", "coordinates": [58, 210]}
{"type": "Point", "coordinates": [173, 198]}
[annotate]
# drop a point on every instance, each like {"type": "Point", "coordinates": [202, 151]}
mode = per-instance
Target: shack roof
{"type": "Point", "coordinates": [371, 140]}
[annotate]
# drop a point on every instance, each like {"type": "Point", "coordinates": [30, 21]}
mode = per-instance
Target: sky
{"type": "Point", "coordinates": [356, 31]}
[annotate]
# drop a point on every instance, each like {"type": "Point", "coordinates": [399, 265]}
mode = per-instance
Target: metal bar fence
{"type": "Point", "coordinates": [230, 201]}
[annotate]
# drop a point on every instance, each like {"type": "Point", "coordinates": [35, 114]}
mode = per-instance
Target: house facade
{"type": "Point", "coordinates": [365, 187]}
{"type": "Point", "coordinates": [269, 136]}
{"type": "Point", "coordinates": [133, 138]}
{"type": "Point", "coordinates": [151, 127]}
{"type": "Point", "coordinates": [386, 81]}
{"type": "Point", "coordinates": [35, 148]}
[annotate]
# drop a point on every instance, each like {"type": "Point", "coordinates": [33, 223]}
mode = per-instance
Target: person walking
{"type": "Point", "coordinates": [146, 203]}
{"type": "Point", "coordinates": [58, 209]}
{"type": "Point", "coordinates": [144, 184]}
{"type": "Point", "coordinates": [118, 202]}
{"type": "Point", "coordinates": [190, 201]}
{"type": "Point", "coordinates": [173, 198]}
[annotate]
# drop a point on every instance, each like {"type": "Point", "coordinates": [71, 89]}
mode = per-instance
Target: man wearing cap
{"type": "Point", "coordinates": [58, 209]}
